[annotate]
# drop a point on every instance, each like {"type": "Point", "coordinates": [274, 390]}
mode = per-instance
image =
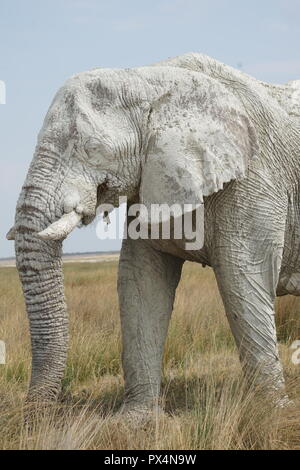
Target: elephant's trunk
{"type": "Point", "coordinates": [40, 269]}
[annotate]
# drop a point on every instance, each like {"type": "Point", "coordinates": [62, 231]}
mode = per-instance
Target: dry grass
{"type": "Point", "coordinates": [207, 406]}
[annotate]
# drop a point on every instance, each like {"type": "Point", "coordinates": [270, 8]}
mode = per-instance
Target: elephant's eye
{"type": "Point", "coordinates": [97, 152]}
{"type": "Point", "coordinates": [92, 145]}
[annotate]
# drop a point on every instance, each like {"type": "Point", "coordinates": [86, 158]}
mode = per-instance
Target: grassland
{"type": "Point", "coordinates": [206, 403]}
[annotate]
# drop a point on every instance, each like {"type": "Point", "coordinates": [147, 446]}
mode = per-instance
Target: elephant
{"type": "Point", "coordinates": [186, 129]}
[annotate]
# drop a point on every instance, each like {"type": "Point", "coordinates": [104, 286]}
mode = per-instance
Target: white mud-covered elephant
{"type": "Point", "coordinates": [186, 130]}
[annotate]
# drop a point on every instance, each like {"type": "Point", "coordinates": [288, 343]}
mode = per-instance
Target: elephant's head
{"type": "Point", "coordinates": [154, 134]}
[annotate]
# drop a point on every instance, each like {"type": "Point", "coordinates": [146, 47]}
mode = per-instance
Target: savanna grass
{"type": "Point", "coordinates": [207, 404]}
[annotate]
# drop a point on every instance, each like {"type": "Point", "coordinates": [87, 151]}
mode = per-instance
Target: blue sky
{"type": "Point", "coordinates": [42, 42]}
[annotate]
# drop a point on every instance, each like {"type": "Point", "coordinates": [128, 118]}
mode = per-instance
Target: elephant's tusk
{"type": "Point", "coordinates": [11, 234]}
{"type": "Point", "coordinates": [61, 228]}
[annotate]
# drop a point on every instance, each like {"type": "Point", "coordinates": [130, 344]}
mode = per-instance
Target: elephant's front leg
{"type": "Point", "coordinates": [146, 285]}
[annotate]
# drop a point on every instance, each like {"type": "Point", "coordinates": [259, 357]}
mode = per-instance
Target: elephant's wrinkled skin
{"type": "Point", "coordinates": [184, 129]}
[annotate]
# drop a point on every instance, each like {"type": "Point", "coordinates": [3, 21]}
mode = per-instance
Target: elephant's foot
{"type": "Point", "coordinates": [272, 393]}
{"type": "Point", "coordinates": [141, 414]}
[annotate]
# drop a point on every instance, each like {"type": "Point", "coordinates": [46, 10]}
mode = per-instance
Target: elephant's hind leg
{"type": "Point", "coordinates": [248, 292]}
{"type": "Point", "coordinates": [146, 285]}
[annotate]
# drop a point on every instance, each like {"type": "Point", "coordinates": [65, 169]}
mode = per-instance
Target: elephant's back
{"type": "Point", "coordinates": [288, 96]}
{"type": "Point", "coordinates": [294, 102]}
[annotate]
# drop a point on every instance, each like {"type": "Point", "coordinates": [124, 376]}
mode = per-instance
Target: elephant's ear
{"type": "Point", "coordinates": [193, 150]}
